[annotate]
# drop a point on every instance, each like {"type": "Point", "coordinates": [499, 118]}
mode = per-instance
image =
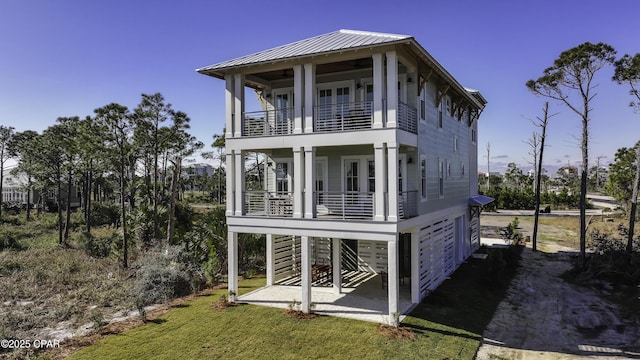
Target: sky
{"type": "Point", "coordinates": [69, 57]}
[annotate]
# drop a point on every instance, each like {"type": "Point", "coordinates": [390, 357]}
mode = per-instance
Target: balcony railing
{"type": "Point", "coordinates": [344, 205]}
{"type": "Point", "coordinates": [264, 203]}
{"type": "Point", "coordinates": [343, 117]}
{"type": "Point", "coordinates": [268, 122]}
{"type": "Point", "coordinates": [407, 118]}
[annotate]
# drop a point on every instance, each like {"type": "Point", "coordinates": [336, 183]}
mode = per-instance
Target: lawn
{"type": "Point", "coordinates": [448, 326]}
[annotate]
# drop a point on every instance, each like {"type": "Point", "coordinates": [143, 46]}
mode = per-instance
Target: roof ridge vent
{"type": "Point", "coordinates": [372, 33]}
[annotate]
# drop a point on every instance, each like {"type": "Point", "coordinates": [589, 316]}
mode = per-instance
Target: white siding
{"type": "Point", "coordinates": [437, 254]}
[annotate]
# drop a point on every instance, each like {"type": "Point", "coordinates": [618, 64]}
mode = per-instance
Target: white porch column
{"type": "Point", "coordinates": [392, 183]}
{"type": "Point", "coordinates": [232, 280]}
{"type": "Point", "coordinates": [238, 185]}
{"type": "Point", "coordinates": [270, 261]}
{"type": "Point", "coordinates": [230, 170]}
{"type": "Point", "coordinates": [378, 86]}
{"type": "Point", "coordinates": [393, 280]}
{"type": "Point", "coordinates": [298, 98]}
{"type": "Point", "coordinates": [305, 250]}
{"type": "Point", "coordinates": [298, 182]}
{"type": "Point", "coordinates": [336, 247]}
{"type": "Point", "coordinates": [392, 88]}
{"type": "Point", "coordinates": [415, 267]}
{"type": "Point", "coordinates": [229, 106]}
{"type": "Point", "coordinates": [309, 182]}
{"type": "Point", "coordinates": [309, 95]}
{"type": "Point", "coordinates": [239, 104]}
{"type": "Point", "coordinates": [381, 181]}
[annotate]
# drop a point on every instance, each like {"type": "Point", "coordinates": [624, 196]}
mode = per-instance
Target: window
{"type": "Point", "coordinates": [368, 97]}
{"type": "Point", "coordinates": [423, 103]}
{"type": "Point", "coordinates": [441, 178]}
{"type": "Point", "coordinates": [400, 177]}
{"type": "Point", "coordinates": [342, 101]}
{"type": "Point", "coordinates": [448, 102]}
{"type": "Point", "coordinates": [283, 112]}
{"type": "Point", "coordinates": [371, 178]}
{"type": "Point", "coordinates": [461, 169]}
{"type": "Point", "coordinates": [448, 169]}
{"type": "Point", "coordinates": [423, 176]}
{"type": "Point", "coordinates": [321, 183]}
{"type": "Point", "coordinates": [282, 178]}
{"type": "Point", "coordinates": [351, 176]}
{"type": "Point", "coordinates": [473, 136]}
{"type": "Point", "coordinates": [455, 143]}
{"type": "Point", "coordinates": [440, 110]}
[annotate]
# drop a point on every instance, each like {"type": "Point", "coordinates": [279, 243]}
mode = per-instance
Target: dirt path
{"type": "Point", "coordinates": [544, 317]}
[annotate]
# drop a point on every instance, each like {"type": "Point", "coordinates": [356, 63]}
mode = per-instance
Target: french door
{"type": "Point", "coordinates": [283, 117]}
{"type": "Point", "coordinates": [333, 105]}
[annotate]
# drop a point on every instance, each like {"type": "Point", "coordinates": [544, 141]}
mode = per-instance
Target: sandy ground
{"type": "Point", "coordinates": [544, 317]}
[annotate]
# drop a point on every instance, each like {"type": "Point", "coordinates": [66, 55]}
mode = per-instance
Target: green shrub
{"type": "Point", "coordinates": [8, 238]}
{"type": "Point", "coordinates": [97, 246]}
{"type": "Point", "coordinates": [511, 234]}
{"type": "Point", "coordinates": [107, 213]}
{"type": "Point", "coordinates": [610, 260]}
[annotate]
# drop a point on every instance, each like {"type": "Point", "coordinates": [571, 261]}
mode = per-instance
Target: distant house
{"type": "Point", "coordinates": [370, 151]}
{"type": "Point", "coordinates": [198, 169]}
{"type": "Point", "coordinates": [14, 193]}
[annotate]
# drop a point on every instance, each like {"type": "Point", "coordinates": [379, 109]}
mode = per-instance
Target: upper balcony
{"type": "Point", "coordinates": [334, 117]}
{"type": "Point", "coordinates": [328, 205]}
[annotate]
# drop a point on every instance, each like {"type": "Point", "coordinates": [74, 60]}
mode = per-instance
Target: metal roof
{"type": "Point", "coordinates": [338, 41]}
{"type": "Point", "coordinates": [334, 41]}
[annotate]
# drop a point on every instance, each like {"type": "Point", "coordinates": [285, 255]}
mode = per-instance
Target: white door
{"type": "Point", "coordinates": [334, 102]}
{"type": "Point", "coordinates": [283, 117]}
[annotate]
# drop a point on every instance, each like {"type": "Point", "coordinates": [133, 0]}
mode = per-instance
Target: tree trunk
{"type": "Point", "coordinates": [59, 184]}
{"type": "Point", "coordinates": [123, 218]}
{"type": "Point", "coordinates": [68, 209]}
{"type": "Point", "coordinates": [29, 185]}
{"type": "Point", "coordinates": [132, 191]}
{"type": "Point", "coordinates": [88, 197]}
{"type": "Point", "coordinates": [634, 203]}
{"type": "Point", "coordinates": [172, 206]}
{"type": "Point", "coordinates": [534, 244]}
{"type": "Point", "coordinates": [583, 185]}
{"type": "Point", "coordinates": [155, 193]}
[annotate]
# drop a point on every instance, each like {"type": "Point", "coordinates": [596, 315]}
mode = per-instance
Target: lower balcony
{"type": "Point", "coordinates": [345, 205]}
{"type": "Point", "coordinates": [264, 203]}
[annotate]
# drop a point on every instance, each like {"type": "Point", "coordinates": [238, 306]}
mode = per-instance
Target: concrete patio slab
{"type": "Point", "coordinates": [367, 302]}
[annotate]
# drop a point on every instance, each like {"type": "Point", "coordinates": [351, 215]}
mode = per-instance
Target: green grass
{"type": "Point", "coordinates": [447, 326]}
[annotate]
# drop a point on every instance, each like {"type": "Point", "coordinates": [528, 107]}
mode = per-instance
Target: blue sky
{"type": "Point", "coordinates": [68, 57]}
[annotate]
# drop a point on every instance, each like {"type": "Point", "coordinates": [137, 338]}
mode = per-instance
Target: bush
{"type": "Point", "coordinates": [162, 275]}
{"type": "Point", "coordinates": [610, 261]}
{"type": "Point", "coordinates": [104, 214]}
{"type": "Point", "coordinates": [502, 263]}
{"type": "Point", "coordinates": [98, 246]}
{"type": "Point", "coordinates": [8, 238]}
{"type": "Point", "coordinates": [511, 234]}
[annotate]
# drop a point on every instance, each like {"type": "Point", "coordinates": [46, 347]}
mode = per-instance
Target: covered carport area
{"type": "Point", "coordinates": [365, 301]}
{"type": "Point", "coordinates": [370, 299]}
